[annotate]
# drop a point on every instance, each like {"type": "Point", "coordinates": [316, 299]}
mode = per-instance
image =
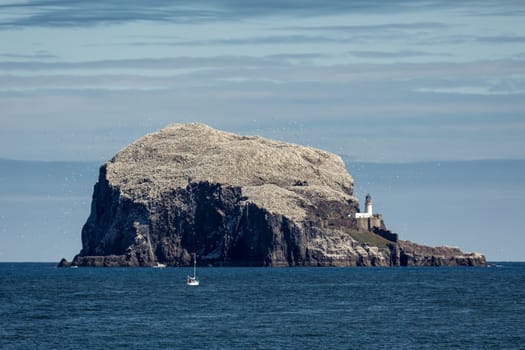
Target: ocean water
{"type": "Point", "coordinates": [44, 307]}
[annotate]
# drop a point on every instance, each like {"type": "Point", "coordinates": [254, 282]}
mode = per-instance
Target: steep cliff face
{"type": "Point", "coordinates": [234, 200]}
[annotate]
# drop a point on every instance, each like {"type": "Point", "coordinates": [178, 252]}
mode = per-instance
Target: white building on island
{"type": "Point", "coordinates": [368, 209]}
{"type": "Point", "coordinates": [368, 221]}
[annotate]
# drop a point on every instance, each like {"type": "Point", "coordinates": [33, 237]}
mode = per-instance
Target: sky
{"type": "Point", "coordinates": [380, 81]}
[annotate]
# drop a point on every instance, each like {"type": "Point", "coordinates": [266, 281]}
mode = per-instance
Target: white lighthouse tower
{"type": "Point", "coordinates": [368, 209]}
{"type": "Point", "coordinates": [368, 204]}
{"type": "Point", "coordinates": [368, 221]}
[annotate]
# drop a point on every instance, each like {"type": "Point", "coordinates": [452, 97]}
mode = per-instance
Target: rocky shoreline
{"type": "Point", "coordinates": [236, 201]}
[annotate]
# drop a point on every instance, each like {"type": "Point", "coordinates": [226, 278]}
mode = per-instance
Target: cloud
{"type": "Point", "coordinates": [471, 90]}
{"type": "Point", "coordinates": [330, 80]}
{"type": "Point", "coordinates": [502, 39]}
{"type": "Point", "coordinates": [273, 70]}
{"type": "Point", "coordinates": [278, 62]}
{"type": "Point", "coordinates": [457, 39]}
{"type": "Point", "coordinates": [37, 55]}
{"type": "Point", "coordinates": [282, 39]}
{"type": "Point", "coordinates": [323, 35]}
{"type": "Point", "coordinates": [156, 63]}
{"type": "Point", "coordinates": [396, 54]}
{"type": "Point", "coordinates": [331, 112]}
{"type": "Point", "coordinates": [80, 13]}
{"type": "Point", "coordinates": [371, 27]}
{"type": "Point", "coordinates": [46, 13]}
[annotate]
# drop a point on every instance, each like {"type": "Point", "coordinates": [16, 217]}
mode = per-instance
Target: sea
{"type": "Point", "coordinates": [45, 307]}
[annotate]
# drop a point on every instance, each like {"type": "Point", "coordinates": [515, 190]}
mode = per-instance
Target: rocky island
{"type": "Point", "coordinates": [237, 201]}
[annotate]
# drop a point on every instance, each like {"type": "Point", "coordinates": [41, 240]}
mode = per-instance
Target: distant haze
{"type": "Point", "coordinates": [474, 205]}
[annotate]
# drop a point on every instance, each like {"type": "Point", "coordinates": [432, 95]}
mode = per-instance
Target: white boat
{"type": "Point", "coordinates": [159, 266]}
{"type": "Point", "coordinates": [193, 280]}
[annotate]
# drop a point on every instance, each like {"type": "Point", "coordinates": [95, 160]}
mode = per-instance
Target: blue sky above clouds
{"type": "Point", "coordinates": [387, 81]}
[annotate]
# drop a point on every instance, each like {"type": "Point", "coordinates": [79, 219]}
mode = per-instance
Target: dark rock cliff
{"type": "Point", "coordinates": [235, 201]}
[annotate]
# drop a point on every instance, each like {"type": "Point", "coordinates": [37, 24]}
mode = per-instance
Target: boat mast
{"type": "Point", "coordinates": [195, 265]}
